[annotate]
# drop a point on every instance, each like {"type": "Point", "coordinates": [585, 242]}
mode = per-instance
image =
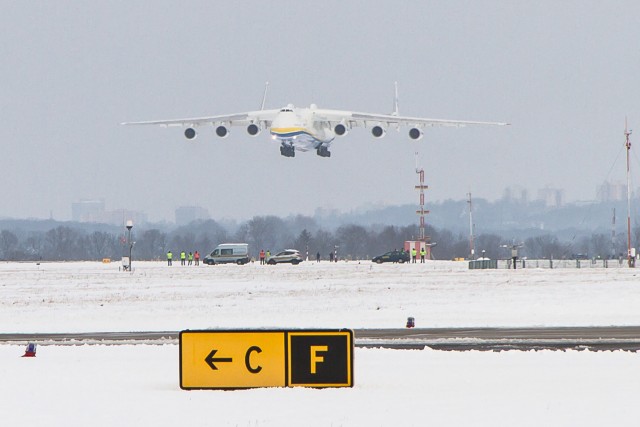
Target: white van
{"type": "Point", "coordinates": [237, 253]}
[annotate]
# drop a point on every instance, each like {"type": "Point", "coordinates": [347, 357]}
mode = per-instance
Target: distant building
{"type": "Point", "coordinates": [612, 192]}
{"type": "Point", "coordinates": [551, 197]}
{"type": "Point", "coordinates": [187, 214]}
{"type": "Point", "coordinates": [516, 194]}
{"type": "Point", "coordinates": [87, 210]}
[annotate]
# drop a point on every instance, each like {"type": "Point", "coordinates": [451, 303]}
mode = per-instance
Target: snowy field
{"type": "Point", "coordinates": [139, 384]}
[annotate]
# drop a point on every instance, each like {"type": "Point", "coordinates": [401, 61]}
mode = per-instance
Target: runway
{"type": "Point", "coordinates": [450, 339]}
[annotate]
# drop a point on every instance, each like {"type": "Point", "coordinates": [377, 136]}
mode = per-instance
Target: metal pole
{"type": "Point", "coordinates": [471, 246]}
{"type": "Point", "coordinates": [630, 259]}
{"type": "Point", "coordinates": [129, 227]}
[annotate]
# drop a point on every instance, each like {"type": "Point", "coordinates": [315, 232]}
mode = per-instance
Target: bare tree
{"type": "Point", "coordinates": [303, 241]}
{"type": "Point", "coordinates": [8, 243]}
{"type": "Point", "coordinates": [152, 244]}
{"type": "Point", "coordinates": [600, 245]}
{"type": "Point", "coordinates": [62, 244]}
{"type": "Point", "coordinates": [353, 241]}
{"type": "Point", "coordinates": [101, 245]}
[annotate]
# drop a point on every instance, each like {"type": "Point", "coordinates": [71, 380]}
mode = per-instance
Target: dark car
{"type": "Point", "coordinates": [392, 256]}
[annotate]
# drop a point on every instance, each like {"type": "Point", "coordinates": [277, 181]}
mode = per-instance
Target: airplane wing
{"type": "Point", "coordinates": [354, 119]}
{"type": "Point", "coordinates": [239, 119]}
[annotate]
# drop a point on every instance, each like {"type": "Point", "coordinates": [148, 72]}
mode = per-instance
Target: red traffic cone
{"type": "Point", "coordinates": [30, 351]}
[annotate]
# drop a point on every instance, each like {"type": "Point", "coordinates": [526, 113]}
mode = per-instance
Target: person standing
{"type": "Point", "coordinates": [196, 256]}
{"type": "Point", "coordinates": [262, 254]}
{"type": "Point", "coordinates": [183, 257]}
{"type": "Point", "coordinates": [413, 255]}
{"type": "Point", "coordinates": [318, 257]}
{"type": "Point", "coordinates": [190, 258]}
{"type": "Point", "coordinates": [330, 256]}
{"type": "Point", "coordinates": [423, 252]}
{"type": "Point", "coordinates": [169, 258]}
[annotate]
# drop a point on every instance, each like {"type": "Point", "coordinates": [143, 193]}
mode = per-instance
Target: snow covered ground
{"type": "Point", "coordinates": [139, 384]}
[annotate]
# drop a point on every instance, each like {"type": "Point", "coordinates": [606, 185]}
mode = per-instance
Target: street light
{"type": "Point", "coordinates": [129, 227]}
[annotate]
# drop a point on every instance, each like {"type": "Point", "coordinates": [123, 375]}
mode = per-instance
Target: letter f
{"type": "Point", "coordinates": [315, 359]}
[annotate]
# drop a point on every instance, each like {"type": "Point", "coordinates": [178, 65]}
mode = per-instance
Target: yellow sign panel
{"type": "Point", "coordinates": [262, 358]}
{"type": "Point", "coordinates": [232, 359]}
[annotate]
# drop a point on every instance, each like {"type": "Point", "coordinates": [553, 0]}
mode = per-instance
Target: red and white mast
{"type": "Point", "coordinates": [630, 256]}
{"type": "Point", "coordinates": [422, 212]}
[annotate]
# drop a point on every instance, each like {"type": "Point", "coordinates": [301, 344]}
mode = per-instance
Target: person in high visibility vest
{"type": "Point", "coordinates": [423, 252]}
{"type": "Point", "coordinates": [190, 259]}
{"type": "Point", "coordinates": [413, 255]}
{"type": "Point", "coordinates": [169, 258]}
{"type": "Point", "coordinates": [183, 257]}
{"type": "Point", "coordinates": [196, 256]}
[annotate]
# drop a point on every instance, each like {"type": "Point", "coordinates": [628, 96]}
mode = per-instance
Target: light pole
{"type": "Point", "coordinates": [514, 251]}
{"type": "Point", "coordinates": [129, 227]}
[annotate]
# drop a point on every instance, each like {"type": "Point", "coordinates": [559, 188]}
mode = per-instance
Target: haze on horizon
{"type": "Point", "coordinates": [563, 74]}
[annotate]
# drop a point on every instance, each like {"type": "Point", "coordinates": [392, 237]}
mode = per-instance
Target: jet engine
{"type": "Point", "coordinates": [190, 133]}
{"type": "Point", "coordinates": [415, 134]}
{"type": "Point", "coordinates": [378, 131]}
{"type": "Point", "coordinates": [253, 129]}
{"type": "Point", "coordinates": [222, 131]}
{"type": "Point", "coordinates": [340, 129]}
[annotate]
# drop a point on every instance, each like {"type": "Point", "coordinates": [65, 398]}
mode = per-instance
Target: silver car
{"type": "Point", "coordinates": [288, 255]}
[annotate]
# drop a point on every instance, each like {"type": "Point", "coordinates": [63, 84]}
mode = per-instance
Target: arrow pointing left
{"type": "Point", "coordinates": [210, 359]}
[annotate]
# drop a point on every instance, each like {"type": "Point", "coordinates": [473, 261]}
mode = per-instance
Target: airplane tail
{"type": "Point", "coordinates": [264, 96]}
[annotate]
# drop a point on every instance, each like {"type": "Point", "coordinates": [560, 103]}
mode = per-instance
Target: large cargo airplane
{"type": "Point", "coordinates": [305, 129]}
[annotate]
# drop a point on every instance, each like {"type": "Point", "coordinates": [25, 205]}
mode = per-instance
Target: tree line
{"type": "Point", "coordinates": [351, 241]}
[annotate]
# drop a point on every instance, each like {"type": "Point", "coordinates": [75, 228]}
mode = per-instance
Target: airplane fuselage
{"type": "Point", "coordinates": [296, 127]}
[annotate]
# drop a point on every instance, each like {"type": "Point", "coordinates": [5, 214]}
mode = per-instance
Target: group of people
{"type": "Point", "coordinates": [264, 255]}
{"type": "Point", "coordinates": [184, 258]}
{"type": "Point", "coordinates": [414, 254]}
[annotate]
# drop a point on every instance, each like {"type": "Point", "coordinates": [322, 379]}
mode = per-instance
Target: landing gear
{"type": "Point", "coordinates": [323, 151]}
{"type": "Point", "coordinates": [287, 150]}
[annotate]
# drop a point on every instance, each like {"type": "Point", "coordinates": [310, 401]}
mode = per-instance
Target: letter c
{"type": "Point", "coordinates": [247, 359]}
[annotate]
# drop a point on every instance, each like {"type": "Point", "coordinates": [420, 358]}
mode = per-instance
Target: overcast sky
{"type": "Point", "coordinates": [564, 74]}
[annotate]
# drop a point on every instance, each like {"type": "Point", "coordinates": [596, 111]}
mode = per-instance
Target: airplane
{"type": "Point", "coordinates": [306, 129]}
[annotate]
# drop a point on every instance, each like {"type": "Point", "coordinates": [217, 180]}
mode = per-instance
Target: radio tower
{"type": "Point", "coordinates": [422, 212]}
{"type": "Point", "coordinates": [630, 253]}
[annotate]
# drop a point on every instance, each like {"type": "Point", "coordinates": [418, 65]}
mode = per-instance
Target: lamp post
{"type": "Point", "coordinates": [129, 227]}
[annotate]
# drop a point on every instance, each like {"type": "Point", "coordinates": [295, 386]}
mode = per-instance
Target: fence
{"type": "Point", "coordinates": [547, 263]}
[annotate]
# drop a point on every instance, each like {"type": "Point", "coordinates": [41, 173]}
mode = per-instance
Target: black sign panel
{"type": "Point", "coordinates": [320, 359]}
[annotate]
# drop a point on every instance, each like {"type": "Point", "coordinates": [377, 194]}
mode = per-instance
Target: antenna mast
{"type": "Point", "coordinates": [630, 256]}
{"type": "Point", "coordinates": [613, 235]}
{"type": "Point", "coordinates": [422, 212]}
{"type": "Point", "coordinates": [472, 249]}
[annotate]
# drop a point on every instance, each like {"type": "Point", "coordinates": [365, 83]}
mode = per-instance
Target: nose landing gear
{"type": "Point", "coordinates": [287, 150]}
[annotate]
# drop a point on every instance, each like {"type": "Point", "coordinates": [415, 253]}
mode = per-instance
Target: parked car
{"type": "Point", "coordinates": [288, 255]}
{"type": "Point", "coordinates": [237, 253]}
{"type": "Point", "coordinates": [392, 256]}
